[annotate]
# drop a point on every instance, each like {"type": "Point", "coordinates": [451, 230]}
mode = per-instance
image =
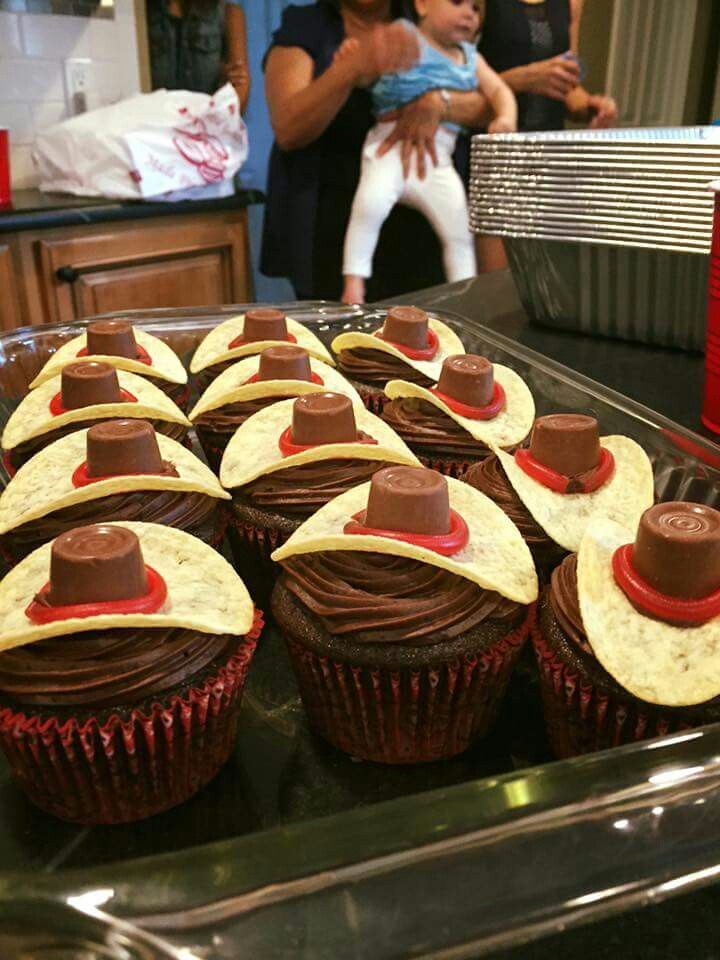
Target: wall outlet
{"type": "Point", "coordinates": [78, 72]}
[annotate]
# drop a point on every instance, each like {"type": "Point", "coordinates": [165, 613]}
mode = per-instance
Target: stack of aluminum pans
{"type": "Point", "coordinates": [630, 215]}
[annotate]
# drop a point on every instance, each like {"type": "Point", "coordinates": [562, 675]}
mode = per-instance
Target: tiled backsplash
{"type": "Point", "coordinates": [33, 48]}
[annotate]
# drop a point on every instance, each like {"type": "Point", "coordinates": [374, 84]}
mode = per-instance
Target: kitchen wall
{"type": "Point", "coordinates": [33, 48]}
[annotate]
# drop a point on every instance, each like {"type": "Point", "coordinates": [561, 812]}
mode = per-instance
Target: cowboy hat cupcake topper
{"type": "Point", "coordinates": [417, 513]}
{"type": "Point", "coordinates": [118, 343]}
{"type": "Point", "coordinates": [650, 603]}
{"type": "Point", "coordinates": [251, 333]}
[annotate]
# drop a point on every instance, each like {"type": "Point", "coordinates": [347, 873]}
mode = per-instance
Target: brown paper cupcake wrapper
{"type": "Point", "coordinates": [133, 767]}
{"type": "Point", "coordinates": [373, 397]}
{"type": "Point", "coordinates": [581, 719]}
{"type": "Point", "coordinates": [406, 715]}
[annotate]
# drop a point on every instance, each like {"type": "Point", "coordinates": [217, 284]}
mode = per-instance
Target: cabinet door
{"type": "Point", "coordinates": [164, 262]}
{"type": "Point", "coordinates": [9, 306]}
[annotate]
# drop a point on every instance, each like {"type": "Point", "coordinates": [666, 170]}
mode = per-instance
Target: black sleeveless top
{"type": "Point", "coordinates": [515, 34]}
{"type": "Point", "coordinates": [310, 190]}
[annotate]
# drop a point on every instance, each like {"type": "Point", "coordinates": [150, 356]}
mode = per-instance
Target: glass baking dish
{"type": "Point", "coordinates": [296, 850]}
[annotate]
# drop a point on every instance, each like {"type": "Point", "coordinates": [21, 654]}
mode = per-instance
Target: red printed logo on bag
{"type": "Point", "coordinates": [202, 150]}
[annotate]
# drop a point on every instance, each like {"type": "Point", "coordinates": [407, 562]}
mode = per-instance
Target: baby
{"type": "Point", "coordinates": [448, 61]}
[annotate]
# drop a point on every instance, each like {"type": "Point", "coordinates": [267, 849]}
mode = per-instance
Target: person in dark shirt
{"type": "Point", "coordinates": [198, 45]}
{"type": "Point", "coordinates": [533, 45]}
{"type": "Point", "coordinates": [320, 110]}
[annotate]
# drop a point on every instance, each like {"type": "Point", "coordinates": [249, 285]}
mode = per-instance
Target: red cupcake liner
{"type": "Point", "coordinates": [581, 719]}
{"type": "Point", "coordinates": [260, 542]}
{"type": "Point", "coordinates": [130, 768]}
{"type": "Point", "coordinates": [406, 715]}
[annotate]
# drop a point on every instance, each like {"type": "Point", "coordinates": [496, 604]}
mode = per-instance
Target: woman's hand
{"type": "Point", "coordinates": [387, 48]}
{"type": "Point", "coordinates": [237, 74]}
{"type": "Point", "coordinates": [415, 127]}
{"type": "Point", "coordinates": [553, 78]}
{"type": "Point", "coordinates": [603, 110]}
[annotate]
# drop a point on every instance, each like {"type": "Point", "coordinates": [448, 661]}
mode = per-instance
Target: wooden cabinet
{"type": "Point", "coordinates": [9, 304]}
{"type": "Point", "coordinates": [174, 261]}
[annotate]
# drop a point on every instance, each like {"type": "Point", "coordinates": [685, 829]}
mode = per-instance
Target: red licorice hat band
{"type": "Point", "coordinates": [659, 605]}
{"type": "Point", "coordinates": [80, 477]}
{"type": "Point", "coordinates": [559, 482]}
{"type": "Point", "coordinates": [239, 341]}
{"type": "Point", "coordinates": [412, 353]}
{"type": "Point", "coordinates": [288, 448]}
{"type": "Point", "coordinates": [488, 412]}
{"type": "Point", "coordinates": [446, 544]}
{"type": "Point", "coordinates": [151, 602]}
{"type": "Point", "coordinates": [314, 378]}
{"type": "Point", "coordinates": [142, 355]}
{"type": "Point", "coordinates": [57, 408]}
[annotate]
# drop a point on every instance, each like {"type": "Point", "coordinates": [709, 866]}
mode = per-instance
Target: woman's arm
{"type": "Point", "coordinates": [597, 109]}
{"type": "Point", "coordinates": [302, 108]}
{"type": "Point", "coordinates": [500, 96]}
{"type": "Point", "coordinates": [416, 124]}
{"type": "Point", "coordinates": [236, 68]}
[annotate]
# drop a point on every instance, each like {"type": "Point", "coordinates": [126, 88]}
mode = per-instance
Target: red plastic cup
{"type": "Point", "coordinates": [711, 395]}
{"type": "Point", "coordinates": [4, 168]}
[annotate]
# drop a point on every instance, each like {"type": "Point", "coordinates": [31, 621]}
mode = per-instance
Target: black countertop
{"type": "Point", "coordinates": [33, 210]}
{"type": "Point", "coordinates": [669, 381]}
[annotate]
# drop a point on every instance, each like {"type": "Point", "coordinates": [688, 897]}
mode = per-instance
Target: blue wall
{"type": "Point", "coordinates": [263, 17]}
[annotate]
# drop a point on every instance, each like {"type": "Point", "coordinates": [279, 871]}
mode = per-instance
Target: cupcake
{"type": "Point", "coordinates": [115, 470]}
{"type": "Point", "coordinates": [305, 452]}
{"type": "Point", "coordinates": [450, 426]}
{"type": "Point", "coordinates": [247, 334]}
{"type": "Point", "coordinates": [254, 383]}
{"type": "Point", "coordinates": [116, 342]}
{"type": "Point", "coordinates": [628, 638]}
{"type": "Point", "coordinates": [123, 657]}
{"type": "Point", "coordinates": [405, 603]}
{"type": "Point", "coordinates": [568, 475]}
{"type": "Point", "coordinates": [410, 346]}
{"type": "Point", "coordinates": [84, 393]}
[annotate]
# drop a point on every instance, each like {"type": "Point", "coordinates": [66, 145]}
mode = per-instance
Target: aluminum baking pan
{"type": "Point", "coordinates": [709, 134]}
{"type": "Point", "coordinates": [595, 167]}
{"type": "Point", "coordinates": [651, 296]}
{"type": "Point", "coordinates": [297, 851]}
{"type": "Point", "coordinates": [696, 188]}
{"type": "Point", "coordinates": [685, 154]}
{"type": "Point", "coordinates": [598, 213]}
{"type": "Point", "coordinates": [659, 226]}
{"type": "Point", "coordinates": [607, 195]}
{"type": "Point", "coordinates": [501, 229]}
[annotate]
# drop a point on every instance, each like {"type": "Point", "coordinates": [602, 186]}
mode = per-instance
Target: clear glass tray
{"type": "Point", "coordinates": [296, 850]}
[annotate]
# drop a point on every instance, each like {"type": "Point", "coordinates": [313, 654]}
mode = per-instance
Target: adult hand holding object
{"type": "Point", "coordinates": [554, 77]}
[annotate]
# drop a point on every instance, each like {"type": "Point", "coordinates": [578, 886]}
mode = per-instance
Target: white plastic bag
{"type": "Point", "coordinates": [147, 146]}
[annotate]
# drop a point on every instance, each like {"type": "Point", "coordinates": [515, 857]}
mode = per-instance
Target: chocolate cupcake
{"type": "Point", "coordinates": [121, 674]}
{"type": "Point", "coordinates": [304, 453]}
{"type": "Point", "coordinates": [83, 394]}
{"type": "Point", "coordinates": [118, 343]}
{"type": "Point", "coordinates": [405, 604]}
{"type": "Point", "coordinates": [410, 346]}
{"type": "Point", "coordinates": [115, 470]}
{"type": "Point", "coordinates": [254, 383]}
{"type": "Point", "coordinates": [450, 426]}
{"type": "Point", "coordinates": [567, 476]}
{"type": "Point", "coordinates": [247, 334]}
{"type": "Point", "coordinates": [628, 639]}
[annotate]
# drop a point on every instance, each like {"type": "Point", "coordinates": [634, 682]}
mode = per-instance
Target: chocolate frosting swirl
{"type": "Point", "coordinates": [376, 366]}
{"type": "Point", "coordinates": [489, 478]}
{"type": "Point", "coordinates": [422, 424]}
{"type": "Point", "coordinates": [565, 602]}
{"type": "Point", "coordinates": [194, 512]}
{"type": "Point", "coordinates": [228, 418]}
{"type": "Point", "coordinates": [105, 668]}
{"type": "Point", "coordinates": [300, 491]}
{"type": "Point", "coordinates": [379, 598]}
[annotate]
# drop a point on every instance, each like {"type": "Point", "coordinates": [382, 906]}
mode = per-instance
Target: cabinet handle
{"type": "Point", "coordinates": [67, 274]}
